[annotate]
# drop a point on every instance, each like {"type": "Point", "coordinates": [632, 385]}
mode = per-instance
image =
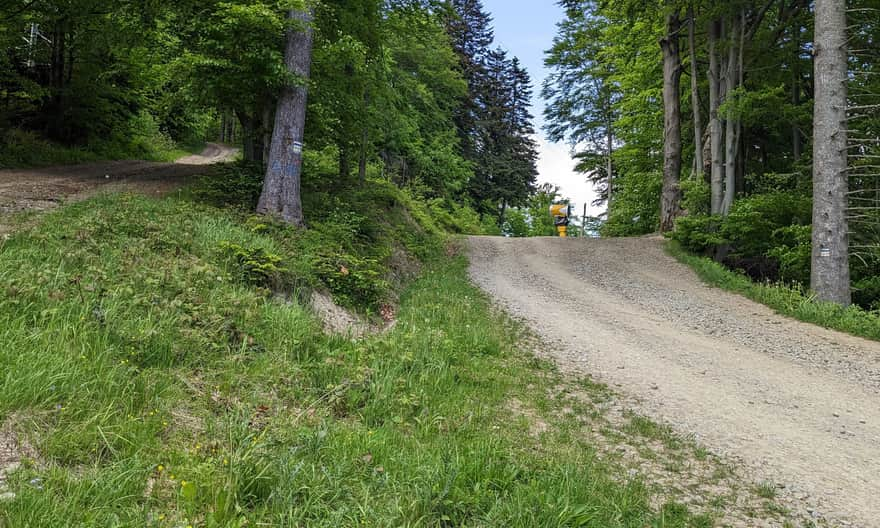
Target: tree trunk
{"type": "Point", "coordinates": [265, 131]}
{"type": "Point", "coordinates": [731, 122]}
{"type": "Point", "coordinates": [362, 160]}
{"type": "Point", "coordinates": [252, 136]}
{"type": "Point", "coordinates": [670, 202]}
{"type": "Point", "coordinates": [281, 187]}
{"type": "Point", "coordinates": [695, 97]}
{"type": "Point", "coordinates": [796, 147]}
{"type": "Point", "coordinates": [57, 69]}
{"type": "Point", "coordinates": [830, 259]}
{"type": "Point", "coordinates": [609, 163]}
{"type": "Point", "coordinates": [716, 134]}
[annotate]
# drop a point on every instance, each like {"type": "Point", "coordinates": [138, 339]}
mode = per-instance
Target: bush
{"type": "Point", "coordinates": [236, 184]}
{"type": "Point", "coordinates": [696, 197]}
{"type": "Point", "coordinates": [792, 250]}
{"type": "Point", "coordinates": [866, 293]}
{"type": "Point", "coordinates": [636, 210]}
{"type": "Point", "coordinates": [752, 222]}
{"type": "Point", "coordinates": [256, 265]}
{"type": "Point", "coordinates": [699, 234]}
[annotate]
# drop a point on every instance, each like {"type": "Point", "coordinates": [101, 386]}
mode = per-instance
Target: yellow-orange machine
{"type": "Point", "coordinates": [561, 214]}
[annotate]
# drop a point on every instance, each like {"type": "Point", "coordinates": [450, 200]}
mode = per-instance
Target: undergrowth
{"type": "Point", "coordinates": [785, 299]}
{"type": "Point", "coordinates": [22, 149]}
{"type": "Point", "coordinates": [145, 355]}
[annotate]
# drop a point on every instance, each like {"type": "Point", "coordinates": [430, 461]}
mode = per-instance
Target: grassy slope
{"type": "Point", "coordinates": [27, 150]}
{"type": "Point", "coordinates": [785, 300]}
{"type": "Point", "coordinates": [161, 388]}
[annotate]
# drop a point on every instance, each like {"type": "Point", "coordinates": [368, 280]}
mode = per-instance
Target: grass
{"type": "Point", "coordinates": [163, 384]}
{"type": "Point", "coordinates": [784, 299]}
{"type": "Point", "coordinates": [27, 150]}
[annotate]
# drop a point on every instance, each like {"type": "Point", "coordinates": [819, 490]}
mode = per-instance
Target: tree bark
{"type": "Point", "coordinates": [695, 96]}
{"type": "Point", "coordinates": [281, 187]}
{"type": "Point", "coordinates": [796, 147]}
{"type": "Point", "coordinates": [730, 134]}
{"type": "Point", "coordinates": [252, 136]}
{"type": "Point", "coordinates": [716, 134]}
{"type": "Point", "coordinates": [830, 270]}
{"type": "Point", "coordinates": [670, 202]}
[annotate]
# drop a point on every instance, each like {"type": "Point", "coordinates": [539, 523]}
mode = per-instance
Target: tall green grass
{"type": "Point", "coordinates": [163, 388]}
{"type": "Point", "coordinates": [784, 299]}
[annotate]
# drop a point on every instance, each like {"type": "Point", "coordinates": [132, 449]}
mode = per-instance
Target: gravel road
{"type": "Point", "coordinates": [796, 405]}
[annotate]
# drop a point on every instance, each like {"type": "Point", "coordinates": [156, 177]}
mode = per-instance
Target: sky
{"type": "Point", "coordinates": [526, 29]}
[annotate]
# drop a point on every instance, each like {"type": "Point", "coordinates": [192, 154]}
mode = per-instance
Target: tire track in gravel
{"type": "Point", "coordinates": [794, 404]}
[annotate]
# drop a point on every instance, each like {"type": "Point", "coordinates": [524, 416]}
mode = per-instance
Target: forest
{"type": "Point", "coordinates": [708, 136]}
{"type": "Point", "coordinates": [410, 91]}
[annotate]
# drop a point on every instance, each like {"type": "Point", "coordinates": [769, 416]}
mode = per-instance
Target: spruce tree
{"type": "Point", "coordinates": [470, 30]}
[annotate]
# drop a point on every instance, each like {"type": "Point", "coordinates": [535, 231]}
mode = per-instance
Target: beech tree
{"type": "Point", "coordinates": [281, 187]}
{"type": "Point", "coordinates": [670, 199]}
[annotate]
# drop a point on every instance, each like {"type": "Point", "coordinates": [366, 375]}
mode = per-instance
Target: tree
{"type": "Point", "coordinates": [470, 30]}
{"type": "Point", "coordinates": [670, 201]}
{"type": "Point", "coordinates": [281, 188]}
{"type": "Point", "coordinates": [830, 277]}
{"type": "Point", "coordinates": [581, 95]}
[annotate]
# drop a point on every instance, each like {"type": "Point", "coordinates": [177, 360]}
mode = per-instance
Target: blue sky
{"type": "Point", "coordinates": [526, 29]}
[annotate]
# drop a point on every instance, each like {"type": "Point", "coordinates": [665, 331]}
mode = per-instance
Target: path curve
{"type": "Point", "coordinates": [45, 188]}
{"type": "Point", "coordinates": [796, 404]}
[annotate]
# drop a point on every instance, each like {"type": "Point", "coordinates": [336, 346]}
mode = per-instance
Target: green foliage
{"type": "Point", "coordinates": [696, 197]}
{"type": "Point", "coordinates": [234, 184]}
{"type": "Point", "coordinates": [866, 293]}
{"type": "Point", "coordinates": [255, 265]}
{"type": "Point", "coordinates": [752, 222]}
{"type": "Point", "coordinates": [636, 211]}
{"type": "Point", "coordinates": [792, 248]}
{"type": "Point", "coordinates": [353, 280]}
{"type": "Point", "coordinates": [700, 233]}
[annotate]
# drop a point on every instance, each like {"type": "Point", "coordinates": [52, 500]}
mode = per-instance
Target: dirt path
{"type": "Point", "coordinates": [797, 405]}
{"type": "Point", "coordinates": [41, 189]}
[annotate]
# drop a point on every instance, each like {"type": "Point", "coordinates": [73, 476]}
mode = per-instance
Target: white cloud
{"type": "Point", "coordinates": [556, 166]}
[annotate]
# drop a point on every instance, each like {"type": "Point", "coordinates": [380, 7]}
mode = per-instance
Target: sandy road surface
{"type": "Point", "coordinates": [40, 189]}
{"type": "Point", "coordinates": [797, 405]}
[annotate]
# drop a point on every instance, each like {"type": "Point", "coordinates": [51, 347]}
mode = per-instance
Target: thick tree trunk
{"type": "Point", "coordinates": [695, 96]}
{"type": "Point", "coordinates": [281, 187]}
{"type": "Point", "coordinates": [670, 201]}
{"type": "Point", "coordinates": [716, 134]}
{"type": "Point", "coordinates": [830, 271]}
{"type": "Point", "coordinates": [731, 141]}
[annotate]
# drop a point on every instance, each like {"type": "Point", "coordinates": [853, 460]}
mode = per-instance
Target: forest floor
{"type": "Point", "coordinates": [795, 405]}
{"type": "Point", "coordinates": [34, 190]}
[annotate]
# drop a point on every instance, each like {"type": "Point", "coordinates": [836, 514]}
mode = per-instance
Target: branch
{"type": "Point", "coordinates": [21, 10]}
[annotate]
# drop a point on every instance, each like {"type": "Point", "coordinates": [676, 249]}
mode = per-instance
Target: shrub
{"type": "Point", "coordinates": [866, 293]}
{"type": "Point", "coordinates": [235, 184]}
{"type": "Point", "coordinates": [752, 221]}
{"type": "Point", "coordinates": [699, 233]}
{"type": "Point", "coordinates": [792, 250]}
{"type": "Point", "coordinates": [256, 265]}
